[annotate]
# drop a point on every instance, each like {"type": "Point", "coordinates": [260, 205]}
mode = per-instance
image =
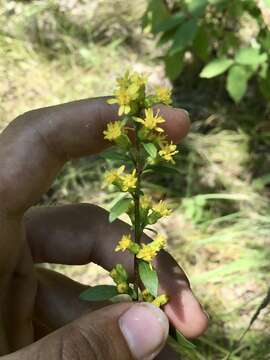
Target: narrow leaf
{"type": "Point", "coordinates": [215, 68]}
{"type": "Point", "coordinates": [150, 149]}
{"type": "Point", "coordinates": [99, 293]}
{"type": "Point", "coordinates": [179, 343]}
{"type": "Point", "coordinates": [119, 208]}
{"type": "Point", "coordinates": [183, 342]}
{"type": "Point", "coordinates": [149, 277]}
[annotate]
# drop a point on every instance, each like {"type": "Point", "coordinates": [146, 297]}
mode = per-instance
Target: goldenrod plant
{"type": "Point", "coordinates": [139, 136]}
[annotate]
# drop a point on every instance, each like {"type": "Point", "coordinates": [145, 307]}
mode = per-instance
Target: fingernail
{"type": "Point", "coordinates": [145, 328]}
{"type": "Point", "coordinates": [183, 111]}
{"type": "Point", "coordinates": [186, 113]}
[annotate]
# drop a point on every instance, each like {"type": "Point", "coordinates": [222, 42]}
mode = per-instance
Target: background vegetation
{"type": "Point", "coordinates": [220, 227]}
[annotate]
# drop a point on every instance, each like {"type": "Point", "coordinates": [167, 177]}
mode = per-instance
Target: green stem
{"type": "Point", "coordinates": [137, 224]}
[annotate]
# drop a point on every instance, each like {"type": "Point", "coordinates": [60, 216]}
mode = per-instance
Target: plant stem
{"type": "Point", "coordinates": [137, 224]}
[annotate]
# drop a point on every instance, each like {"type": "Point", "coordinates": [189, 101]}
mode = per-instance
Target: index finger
{"type": "Point", "coordinates": [35, 146]}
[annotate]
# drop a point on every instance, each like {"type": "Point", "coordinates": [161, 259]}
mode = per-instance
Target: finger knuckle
{"type": "Point", "coordinates": [90, 343]}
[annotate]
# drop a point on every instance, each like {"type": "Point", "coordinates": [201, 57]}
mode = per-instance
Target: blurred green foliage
{"type": "Point", "coordinates": [220, 38]}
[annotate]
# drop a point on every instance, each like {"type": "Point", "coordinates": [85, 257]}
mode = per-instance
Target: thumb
{"type": "Point", "coordinates": [117, 332]}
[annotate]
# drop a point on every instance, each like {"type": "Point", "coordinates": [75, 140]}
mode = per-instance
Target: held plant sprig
{"type": "Point", "coordinates": [142, 141]}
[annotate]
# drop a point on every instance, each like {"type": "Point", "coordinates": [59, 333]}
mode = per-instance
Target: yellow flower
{"type": "Point", "coordinates": [119, 274]}
{"type": "Point", "coordinates": [163, 95]}
{"type": "Point", "coordinates": [168, 151]}
{"type": "Point", "coordinates": [129, 181]}
{"type": "Point", "coordinates": [114, 130]}
{"type": "Point", "coordinates": [162, 209]}
{"type": "Point", "coordinates": [124, 98]}
{"type": "Point", "coordinates": [146, 296]}
{"type": "Point", "coordinates": [147, 253]}
{"type": "Point", "coordinates": [131, 78]}
{"type": "Point", "coordinates": [122, 288]}
{"type": "Point", "coordinates": [124, 243]}
{"type": "Point", "coordinates": [113, 175]}
{"type": "Point", "coordinates": [127, 244]}
{"type": "Point", "coordinates": [124, 82]}
{"type": "Point", "coordinates": [161, 139]}
{"type": "Point", "coordinates": [159, 243]}
{"type": "Point", "coordinates": [151, 121]}
{"type": "Point", "coordinates": [160, 300]}
{"type": "Point", "coordinates": [138, 79]}
{"type": "Point", "coordinates": [145, 202]}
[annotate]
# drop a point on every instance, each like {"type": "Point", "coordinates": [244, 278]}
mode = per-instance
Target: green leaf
{"type": "Point", "coordinates": [170, 23]}
{"type": "Point", "coordinates": [157, 12]}
{"type": "Point", "coordinates": [197, 7]}
{"type": "Point", "coordinates": [112, 155]}
{"type": "Point", "coordinates": [265, 86]}
{"type": "Point", "coordinates": [149, 277]}
{"type": "Point", "coordinates": [150, 149]}
{"type": "Point", "coordinates": [216, 67]}
{"type": "Point", "coordinates": [163, 169]}
{"type": "Point", "coordinates": [99, 293]}
{"type": "Point", "coordinates": [184, 36]}
{"type": "Point", "coordinates": [263, 71]}
{"type": "Point", "coordinates": [179, 343]}
{"type": "Point", "coordinates": [201, 43]}
{"type": "Point", "coordinates": [183, 342]}
{"type": "Point", "coordinates": [174, 65]}
{"type": "Point", "coordinates": [237, 82]}
{"type": "Point", "coordinates": [119, 208]}
{"type": "Point", "coordinates": [250, 56]}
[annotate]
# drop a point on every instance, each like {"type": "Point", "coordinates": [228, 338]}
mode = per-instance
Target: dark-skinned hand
{"type": "Point", "coordinates": [42, 316]}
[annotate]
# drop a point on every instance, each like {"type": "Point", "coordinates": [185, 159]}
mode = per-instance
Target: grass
{"type": "Point", "coordinates": [220, 227]}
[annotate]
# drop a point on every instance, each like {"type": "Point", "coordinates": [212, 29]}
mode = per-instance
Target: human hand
{"type": "Point", "coordinates": [35, 302]}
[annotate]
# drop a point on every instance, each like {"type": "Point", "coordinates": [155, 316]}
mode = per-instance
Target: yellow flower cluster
{"type": "Point", "coordinates": [131, 98]}
{"type": "Point", "coordinates": [114, 131]}
{"type": "Point", "coordinates": [127, 244]}
{"type": "Point", "coordinates": [113, 175]}
{"type": "Point", "coordinates": [146, 252]}
{"type": "Point", "coordinates": [168, 151]}
{"type": "Point", "coordinates": [158, 301]}
{"type": "Point", "coordinates": [126, 182]}
{"type": "Point", "coordinates": [120, 277]}
{"type": "Point", "coordinates": [146, 296]}
{"type": "Point", "coordinates": [163, 95]}
{"type": "Point", "coordinates": [122, 288]}
{"type": "Point", "coordinates": [131, 78]}
{"type": "Point", "coordinates": [151, 121]}
{"type": "Point", "coordinates": [149, 251]}
{"type": "Point", "coordinates": [124, 243]}
{"type": "Point", "coordinates": [159, 242]}
{"type": "Point", "coordinates": [145, 202]}
{"type": "Point", "coordinates": [161, 209]}
{"type": "Point", "coordinates": [129, 181]}
{"type": "Point", "coordinates": [128, 92]}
